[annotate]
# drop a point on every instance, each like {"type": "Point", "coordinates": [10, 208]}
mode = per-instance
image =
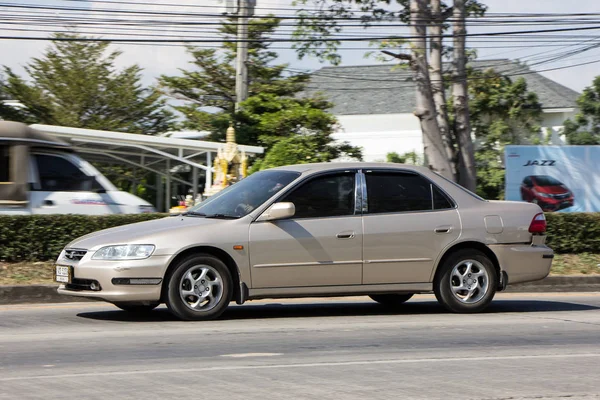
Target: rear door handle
{"type": "Point", "coordinates": [443, 229]}
{"type": "Point", "coordinates": [48, 203]}
{"type": "Point", "coordinates": [345, 235]}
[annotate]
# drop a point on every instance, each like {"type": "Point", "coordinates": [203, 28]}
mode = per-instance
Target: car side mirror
{"type": "Point", "coordinates": [278, 211]}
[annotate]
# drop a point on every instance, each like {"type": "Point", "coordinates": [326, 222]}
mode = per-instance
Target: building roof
{"type": "Point", "coordinates": [390, 89]}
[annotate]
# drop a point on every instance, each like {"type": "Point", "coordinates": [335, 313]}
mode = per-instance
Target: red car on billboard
{"type": "Point", "coordinates": [547, 192]}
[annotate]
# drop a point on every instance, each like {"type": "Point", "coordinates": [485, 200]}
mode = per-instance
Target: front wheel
{"type": "Point", "coordinates": [391, 300]}
{"type": "Point", "coordinates": [467, 282]}
{"type": "Point", "coordinates": [199, 288]}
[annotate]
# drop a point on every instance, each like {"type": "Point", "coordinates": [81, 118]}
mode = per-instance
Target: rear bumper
{"type": "Point", "coordinates": [523, 263]}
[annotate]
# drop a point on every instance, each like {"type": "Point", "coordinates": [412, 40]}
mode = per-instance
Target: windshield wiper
{"type": "Point", "coordinates": [193, 214]}
{"type": "Point", "coordinates": [222, 216]}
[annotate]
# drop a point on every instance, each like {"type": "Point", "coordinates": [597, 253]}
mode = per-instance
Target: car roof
{"type": "Point", "coordinates": [331, 166]}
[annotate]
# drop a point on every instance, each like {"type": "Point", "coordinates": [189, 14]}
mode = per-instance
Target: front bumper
{"type": "Point", "coordinates": [523, 263]}
{"type": "Point", "coordinates": [105, 271]}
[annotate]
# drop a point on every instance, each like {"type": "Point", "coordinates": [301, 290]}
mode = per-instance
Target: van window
{"type": "Point", "coordinates": [58, 174]}
{"type": "Point", "coordinates": [4, 164]}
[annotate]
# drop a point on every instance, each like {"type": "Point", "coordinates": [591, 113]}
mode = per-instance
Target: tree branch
{"type": "Point", "coordinates": [399, 56]}
{"type": "Point", "coordinates": [447, 14]}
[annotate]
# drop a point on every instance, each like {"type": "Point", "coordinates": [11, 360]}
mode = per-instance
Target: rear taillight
{"type": "Point", "coordinates": [538, 224]}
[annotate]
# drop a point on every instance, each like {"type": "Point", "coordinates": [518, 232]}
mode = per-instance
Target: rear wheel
{"type": "Point", "coordinates": [200, 288]}
{"type": "Point", "coordinates": [137, 308]}
{"type": "Point", "coordinates": [467, 282]}
{"type": "Point", "coordinates": [391, 300]}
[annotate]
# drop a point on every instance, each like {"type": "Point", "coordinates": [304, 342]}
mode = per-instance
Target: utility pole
{"type": "Point", "coordinates": [241, 71]}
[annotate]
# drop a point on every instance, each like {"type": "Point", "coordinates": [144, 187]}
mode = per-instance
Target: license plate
{"type": "Point", "coordinates": [63, 274]}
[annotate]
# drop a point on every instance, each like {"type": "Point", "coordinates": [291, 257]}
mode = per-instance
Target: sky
{"type": "Point", "coordinates": [167, 60]}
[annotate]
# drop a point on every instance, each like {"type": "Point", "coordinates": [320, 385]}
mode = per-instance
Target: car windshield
{"type": "Point", "coordinates": [545, 180]}
{"type": "Point", "coordinates": [242, 198]}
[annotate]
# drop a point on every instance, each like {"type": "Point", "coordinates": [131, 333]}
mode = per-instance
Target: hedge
{"type": "Point", "coordinates": [42, 237]}
{"type": "Point", "coordinates": [574, 232]}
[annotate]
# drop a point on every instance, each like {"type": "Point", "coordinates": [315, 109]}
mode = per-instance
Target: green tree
{"type": "Point", "coordinates": [410, 157]}
{"type": "Point", "coordinates": [451, 156]}
{"type": "Point", "coordinates": [503, 112]}
{"type": "Point", "coordinates": [77, 84]}
{"type": "Point", "coordinates": [275, 110]}
{"type": "Point", "coordinates": [585, 129]}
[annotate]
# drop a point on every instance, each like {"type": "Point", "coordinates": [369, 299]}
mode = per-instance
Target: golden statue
{"type": "Point", "coordinates": [230, 165]}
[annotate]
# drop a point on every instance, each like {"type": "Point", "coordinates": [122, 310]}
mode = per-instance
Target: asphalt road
{"type": "Point", "coordinates": [536, 346]}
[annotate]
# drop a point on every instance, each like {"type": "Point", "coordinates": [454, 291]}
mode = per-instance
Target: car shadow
{"type": "Point", "coordinates": [339, 309]}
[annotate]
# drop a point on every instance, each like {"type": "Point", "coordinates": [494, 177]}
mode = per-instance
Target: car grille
{"type": "Point", "coordinates": [80, 284]}
{"type": "Point", "coordinates": [74, 254]}
{"type": "Point", "coordinates": [561, 196]}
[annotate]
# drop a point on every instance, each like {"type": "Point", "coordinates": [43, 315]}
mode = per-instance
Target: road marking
{"type": "Point", "coordinates": [244, 355]}
{"type": "Point", "coordinates": [301, 365]}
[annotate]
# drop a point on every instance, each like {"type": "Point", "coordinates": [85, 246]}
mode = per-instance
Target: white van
{"type": "Point", "coordinates": [39, 174]}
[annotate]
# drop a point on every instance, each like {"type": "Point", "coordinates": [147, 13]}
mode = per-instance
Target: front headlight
{"type": "Point", "coordinates": [124, 252]}
{"type": "Point", "coordinates": [546, 195]}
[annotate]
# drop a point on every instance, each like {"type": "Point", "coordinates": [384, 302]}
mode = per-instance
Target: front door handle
{"type": "Point", "coordinates": [443, 229]}
{"type": "Point", "coordinates": [48, 203]}
{"type": "Point", "coordinates": [345, 235]}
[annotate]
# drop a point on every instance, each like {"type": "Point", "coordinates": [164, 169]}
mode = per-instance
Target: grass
{"type": "Point", "coordinates": [41, 272]}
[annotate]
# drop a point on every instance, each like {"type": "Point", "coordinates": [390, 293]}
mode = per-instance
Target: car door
{"type": "Point", "coordinates": [63, 188]}
{"type": "Point", "coordinates": [407, 222]}
{"type": "Point", "coordinates": [320, 246]}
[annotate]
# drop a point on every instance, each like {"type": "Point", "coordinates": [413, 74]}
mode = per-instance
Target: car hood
{"type": "Point", "coordinates": [555, 189]}
{"type": "Point", "coordinates": [163, 233]}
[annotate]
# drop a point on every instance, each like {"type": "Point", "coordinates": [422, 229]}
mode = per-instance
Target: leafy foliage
{"type": "Point", "coordinates": [585, 130]}
{"type": "Point", "coordinates": [321, 19]}
{"type": "Point", "coordinates": [76, 84]}
{"type": "Point", "coordinates": [275, 110]}
{"type": "Point", "coordinates": [410, 157]}
{"type": "Point", "coordinates": [503, 112]}
{"type": "Point", "coordinates": [42, 237]}
{"type": "Point", "coordinates": [574, 232]}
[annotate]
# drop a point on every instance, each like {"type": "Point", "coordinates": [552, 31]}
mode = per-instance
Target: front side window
{"type": "Point", "coordinates": [391, 192]}
{"type": "Point", "coordinates": [324, 196]}
{"type": "Point", "coordinates": [58, 174]}
{"type": "Point", "coordinates": [4, 164]}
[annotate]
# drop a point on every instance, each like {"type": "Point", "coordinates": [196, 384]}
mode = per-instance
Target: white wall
{"type": "Point", "coordinates": [552, 124]}
{"type": "Point", "coordinates": [379, 134]}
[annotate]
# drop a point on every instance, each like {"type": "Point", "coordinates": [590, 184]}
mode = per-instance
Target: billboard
{"type": "Point", "coordinates": [557, 178]}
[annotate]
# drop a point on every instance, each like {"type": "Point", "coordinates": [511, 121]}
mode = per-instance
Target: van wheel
{"type": "Point", "coordinates": [467, 282]}
{"type": "Point", "coordinates": [199, 289]}
{"type": "Point", "coordinates": [137, 308]}
{"type": "Point", "coordinates": [391, 300]}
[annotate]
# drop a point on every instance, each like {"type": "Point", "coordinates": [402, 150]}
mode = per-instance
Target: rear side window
{"type": "Point", "coordinates": [60, 175]}
{"type": "Point", "coordinates": [402, 192]}
{"type": "Point", "coordinates": [4, 164]}
{"type": "Point", "coordinates": [324, 196]}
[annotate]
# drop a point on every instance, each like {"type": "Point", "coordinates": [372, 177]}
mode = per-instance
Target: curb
{"type": "Point", "coordinates": [24, 294]}
{"type": "Point", "coordinates": [572, 283]}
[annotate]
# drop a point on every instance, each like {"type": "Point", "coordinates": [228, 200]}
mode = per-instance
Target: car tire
{"type": "Point", "coordinates": [466, 282]}
{"type": "Point", "coordinates": [136, 308]}
{"type": "Point", "coordinates": [391, 300]}
{"type": "Point", "coordinates": [199, 288]}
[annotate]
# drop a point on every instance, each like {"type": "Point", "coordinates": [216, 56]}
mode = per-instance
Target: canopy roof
{"type": "Point", "coordinates": [161, 155]}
